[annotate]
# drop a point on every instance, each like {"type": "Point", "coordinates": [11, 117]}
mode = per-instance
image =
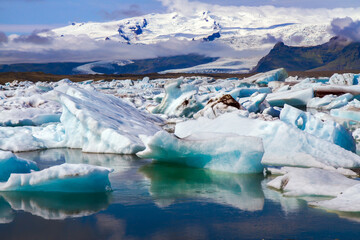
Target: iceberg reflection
{"type": "Point", "coordinates": [170, 182]}
{"type": "Point", "coordinates": [54, 206]}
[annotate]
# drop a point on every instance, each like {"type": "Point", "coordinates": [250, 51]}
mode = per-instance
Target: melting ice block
{"type": "Point", "coordinates": [217, 151]}
{"type": "Point", "coordinates": [62, 178]}
{"type": "Point", "coordinates": [311, 182]}
{"type": "Point", "coordinates": [346, 201]}
{"type": "Point", "coordinates": [180, 100]}
{"type": "Point", "coordinates": [9, 164]}
{"type": "Point", "coordinates": [330, 101]}
{"type": "Point", "coordinates": [351, 111]}
{"type": "Point", "coordinates": [283, 143]}
{"type": "Point", "coordinates": [328, 130]}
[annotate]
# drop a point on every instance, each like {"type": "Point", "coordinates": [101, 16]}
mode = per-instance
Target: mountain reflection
{"type": "Point", "coordinates": [172, 182]}
{"type": "Point", "coordinates": [51, 206]}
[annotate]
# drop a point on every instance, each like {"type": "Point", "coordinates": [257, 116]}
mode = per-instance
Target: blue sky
{"type": "Point", "coordinates": [24, 16]}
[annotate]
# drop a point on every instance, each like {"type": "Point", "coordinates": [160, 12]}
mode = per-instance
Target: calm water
{"type": "Point", "coordinates": [161, 201]}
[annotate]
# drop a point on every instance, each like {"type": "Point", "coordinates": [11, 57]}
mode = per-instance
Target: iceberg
{"type": "Point", "coordinates": [283, 143]}
{"type": "Point", "coordinates": [9, 164]}
{"type": "Point", "coordinates": [264, 78]}
{"type": "Point", "coordinates": [327, 130]}
{"type": "Point", "coordinates": [216, 151]}
{"type": "Point", "coordinates": [293, 98]}
{"type": "Point", "coordinates": [351, 111]}
{"type": "Point", "coordinates": [330, 101]}
{"type": "Point", "coordinates": [180, 100]}
{"type": "Point", "coordinates": [311, 182]}
{"type": "Point", "coordinates": [80, 178]}
{"type": "Point", "coordinates": [256, 103]}
{"type": "Point", "coordinates": [344, 79]}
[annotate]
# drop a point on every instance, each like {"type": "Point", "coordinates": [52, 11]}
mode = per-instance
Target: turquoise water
{"type": "Point", "coordinates": [162, 201]}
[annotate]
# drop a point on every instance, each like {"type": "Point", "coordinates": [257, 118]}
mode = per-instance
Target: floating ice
{"type": "Point", "coordinates": [217, 151]}
{"type": "Point", "coordinates": [62, 178]}
{"type": "Point", "coordinates": [96, 122]}
{"type": "Point", "coordinates": [9, 164]}
{"type": "Point", "coordinates": [180, 100]}
{"type": "Point", "coordinates": [19, 139]}
{"type": "Point", "coordinates": [327, 130]}
{"type": "Point", "coordinates": [346, 201]}
{"type": "Point", "coordinates": [217, 106]}
{"type": "Point", "coordinates": [311, 182]}
{"type": "Point", "coordinates": [293, 98]}
{"type": "Point", "coordinates": [256, 103]}
{"type": "Point", "coordinates": [264, 78]}
{"type": "Point", "coordinates": [351, 111]}
{"type": "Point", "coordinates": [283, 143]}
{"type": "Point", "coordinates": [247, 92]}
{"type": "Point", "coordinates": [344, 79]}
{"type": "Point", "coordinates": [330, 101]}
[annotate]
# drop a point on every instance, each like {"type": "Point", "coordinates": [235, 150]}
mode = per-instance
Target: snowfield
{"type": "Point", "coordinates": [250, 125]}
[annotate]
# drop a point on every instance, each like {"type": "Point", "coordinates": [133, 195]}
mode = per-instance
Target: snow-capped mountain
{"type": "Point", "coordinates": [253, 29]}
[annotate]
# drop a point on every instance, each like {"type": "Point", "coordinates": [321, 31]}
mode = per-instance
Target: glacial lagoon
{"type": "Point", "coordinates": [165, 201]}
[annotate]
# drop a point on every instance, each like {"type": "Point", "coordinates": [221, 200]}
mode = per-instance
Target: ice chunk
{"type": "Point", "coordinates": [9, 164]}
{"type": "Point", "coordinates": [217, 106]}
{"type": "Point", "coordinates": [283, 143]}
{"type": "Point", "coordinates": [19, 139]}
{"type": "Point", "coordinates": [62, 178]}
{"type": "Point", "coordinates": [343, 79]}
{"type": "Point", "coordinates": [330, 101]}
{"type": "Point", "coordinates": [180, 100]}
{"type": "Point", "coordinates": [264, 78]}
{"type": "Point", "coordinates": [346, 201]}
{"type": "Point", "coordinates": [311, 182]}
{"type": "Point", "coordinates": [351, 111]}
{"type": "Point", "coordinates": [327, 130]}
{"type": "Point", "coordinates": [216, 151]}
{"type": "Point", "coordinates": [168, 183]}
{"type": "Point", "coordinates": [96, 122]}
{"type": "Point", "coordinates": [293, 98]}
{"type": "Point", "coordinates": [247, 92]}
{"type": "Point", "coordinates": [256, 103]}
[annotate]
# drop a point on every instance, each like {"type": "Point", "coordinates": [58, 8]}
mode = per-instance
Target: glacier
{"type": "Point", "coordinates": [217, 151]}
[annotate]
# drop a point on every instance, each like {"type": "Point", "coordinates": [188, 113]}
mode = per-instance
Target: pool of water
{"type": "Point", "coordinates": [163, 201]}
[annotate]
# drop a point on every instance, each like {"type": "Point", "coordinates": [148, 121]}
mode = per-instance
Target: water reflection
{"type": "Point", "coordinates": [54, 206]}
{"type": "Point", "coordinates": [172, 182]}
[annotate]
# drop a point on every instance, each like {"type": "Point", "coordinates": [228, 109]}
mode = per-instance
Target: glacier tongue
{"type": "Point", "coordinates": [225, 152]}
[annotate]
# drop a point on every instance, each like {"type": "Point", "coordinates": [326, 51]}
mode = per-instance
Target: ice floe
{"type": "Point", "coordinates": [9, 164]}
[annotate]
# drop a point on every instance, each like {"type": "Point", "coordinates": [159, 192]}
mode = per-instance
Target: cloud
{"type": "Point", "coordinates": [346, 27]}
{"type": "Point", "coordinates": [271, 39]}
{"type": "Point", "coordinates": [34, 38]}
{"type": "Point", "coordinates": [84, 49]}
{"type": "Point", "coordinates": [3, 38]}
{"type": "Point", "coordinates": [132, 11]}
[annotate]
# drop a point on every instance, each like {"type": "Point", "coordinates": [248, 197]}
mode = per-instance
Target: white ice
{"type": "Point", "coordinates": [311, 182]}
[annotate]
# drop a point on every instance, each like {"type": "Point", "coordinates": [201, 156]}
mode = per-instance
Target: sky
{"type": "Point", "coordinates": [25, 16]}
